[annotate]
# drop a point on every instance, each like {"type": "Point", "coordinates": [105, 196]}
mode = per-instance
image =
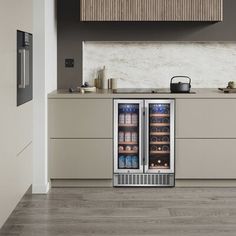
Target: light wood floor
{"type": "Point", "coordinates": [126, 211]}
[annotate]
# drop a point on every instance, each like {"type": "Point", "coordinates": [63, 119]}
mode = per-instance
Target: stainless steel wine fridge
{"type": "Point", "coordinates": [144, 143]}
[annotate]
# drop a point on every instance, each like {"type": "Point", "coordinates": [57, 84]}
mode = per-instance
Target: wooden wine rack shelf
{"type": "Point", "coordinates": [128, 152]}
{"type": "Point", "coordinates": [159, 124]}
{"type": "Point", "coordinates": [128, 125]}
{"type": "Point", "coordinates": [159, 115]}
{"type": "Point", "coordinates": [128, 143]}
{"type": "Point", "coordinates": [159, 133]}
{"type": "Point", "coordinates": [159, 143]}
{"type": "Point", "coordinates": [158, 167]}
{"type": "Point", "coordinates": [159, 152]}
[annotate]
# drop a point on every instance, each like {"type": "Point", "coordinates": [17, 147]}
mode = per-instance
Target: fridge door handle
{"type": "Point", "coordinates": [145, 136]}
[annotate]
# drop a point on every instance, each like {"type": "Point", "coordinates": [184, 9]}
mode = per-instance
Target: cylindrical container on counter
{"type": "Point", "coordinates": [102, 77]}
{"type": "Point", "coordinates": [112, 83]}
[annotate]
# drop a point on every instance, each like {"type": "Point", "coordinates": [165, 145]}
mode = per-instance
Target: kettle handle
{"type": "Point", "coordinates": [180, 76]}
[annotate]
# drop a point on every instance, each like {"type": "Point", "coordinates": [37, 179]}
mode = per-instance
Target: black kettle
{"type": "Point", "coordinates": [180, 87]}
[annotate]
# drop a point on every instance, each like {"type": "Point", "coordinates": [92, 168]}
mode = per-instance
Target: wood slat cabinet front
{"type": "Point", "coordinates": [151, 10]}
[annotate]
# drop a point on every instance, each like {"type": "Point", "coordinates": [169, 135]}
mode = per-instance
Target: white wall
{"type": "Point", "coordinates": [152, 64]}
{"type": "Point", "coordinates": [45, 81]}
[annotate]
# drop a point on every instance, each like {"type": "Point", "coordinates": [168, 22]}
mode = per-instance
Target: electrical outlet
{"type": "Point", "coordinates": [69, 62]}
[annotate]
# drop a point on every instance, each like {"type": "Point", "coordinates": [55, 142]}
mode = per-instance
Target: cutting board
{"type": "Point", "coordinates": [228, 90]}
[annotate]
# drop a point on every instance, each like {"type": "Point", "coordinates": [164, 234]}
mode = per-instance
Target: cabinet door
{"type": "Point", "coordinates": [206, 118]}
{"type": "Point", "coordinates": [80, 118]}
{"type": "Point", "coordinates": [205, 159]}
{"type": "Point", "coordinates": [80, 159]}
{"type": "Point", "coordinates": [151, 10]}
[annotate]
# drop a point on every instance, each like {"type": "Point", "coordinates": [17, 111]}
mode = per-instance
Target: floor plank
{"type": "Point", "coordinates": [125, 211]}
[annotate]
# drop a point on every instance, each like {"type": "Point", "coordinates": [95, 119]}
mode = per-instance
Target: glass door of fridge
{"type": "Point", "coordinates": [128, 116]}
{"type": "Point", "coordinates": [159, 119]}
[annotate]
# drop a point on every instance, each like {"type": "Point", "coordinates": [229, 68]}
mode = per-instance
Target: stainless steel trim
{"type": "Point", "coordinates": [116, 104]}
{"type": "Point", "coordinates": [144, 180]}
{"type": "Point", "coordinates": [27, 70]}
{"type": "Point", "coordinates": [172, 151]}
{"type": "Point", "coordinates": [23, 69]}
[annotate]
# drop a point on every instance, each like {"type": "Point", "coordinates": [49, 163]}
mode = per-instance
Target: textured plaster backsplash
{"type": "Point", "coordinates": [152, 64]}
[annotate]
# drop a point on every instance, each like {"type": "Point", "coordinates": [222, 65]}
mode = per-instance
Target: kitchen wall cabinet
{"type": "Point", "coordinates": [80, 139]}
{"type": "Point", "coordinates": [151, 10]}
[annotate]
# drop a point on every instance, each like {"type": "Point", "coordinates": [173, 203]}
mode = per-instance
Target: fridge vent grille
{"type": "Point", "coordinates": [144, 180]}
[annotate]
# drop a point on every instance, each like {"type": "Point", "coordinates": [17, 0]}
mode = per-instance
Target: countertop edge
{"type": "Point", "coordinates": [210, 93]}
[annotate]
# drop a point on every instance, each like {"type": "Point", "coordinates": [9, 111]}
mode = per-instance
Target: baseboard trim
{"type": "Point", "coordinates": [214, 183]}
{"type": "Point", "coordinates": [40, 189]}
{"type": "Point", "coordinates": [73, 183]}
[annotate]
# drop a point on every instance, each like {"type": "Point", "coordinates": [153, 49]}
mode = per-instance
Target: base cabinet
{"type": "Point", "coordinates": [205, 159]}
{"type": "Point", "coordinates": [80, 159]}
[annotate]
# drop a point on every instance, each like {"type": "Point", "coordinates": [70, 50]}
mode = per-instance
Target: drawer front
{"type": "Point", "coordinates": [80, 118]}
{"type": "Point", "coordinates": [80, 159]}
{"type": "Point", "coordinates": [206, 159]}
{"type": "Point", "coordinates": [206, 118]}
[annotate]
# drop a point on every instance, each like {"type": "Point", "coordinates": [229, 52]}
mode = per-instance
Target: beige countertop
{"type": "Point", "coordinates": [102, 94]}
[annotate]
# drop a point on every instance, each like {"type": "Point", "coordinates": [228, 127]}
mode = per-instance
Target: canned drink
{"type": "Point", "coordinates": [121, 136]}
{"type": "Point", "coordinates": [134, 162]}
{"type": "Point", "coordinates": [127, 118]}
{"type": "Point", "coordinates": [128, 148]}
{"type": "Point", "coordinates": [135, 148]}
{"type": "Point", "coordinates": [127, 136]}
{"type": "Point", "coordinates": [134, 118]}
{"type": "Point", "coordinates": [121, 148]}
{"type": "Point", "coordinates": [121, 118]}
{"type": "Point", "coordinates": [134, 137]}
{"type": "Point", "coordinates": [121, 162]}
{"type": "Point", "coordinates": [128, 162]}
